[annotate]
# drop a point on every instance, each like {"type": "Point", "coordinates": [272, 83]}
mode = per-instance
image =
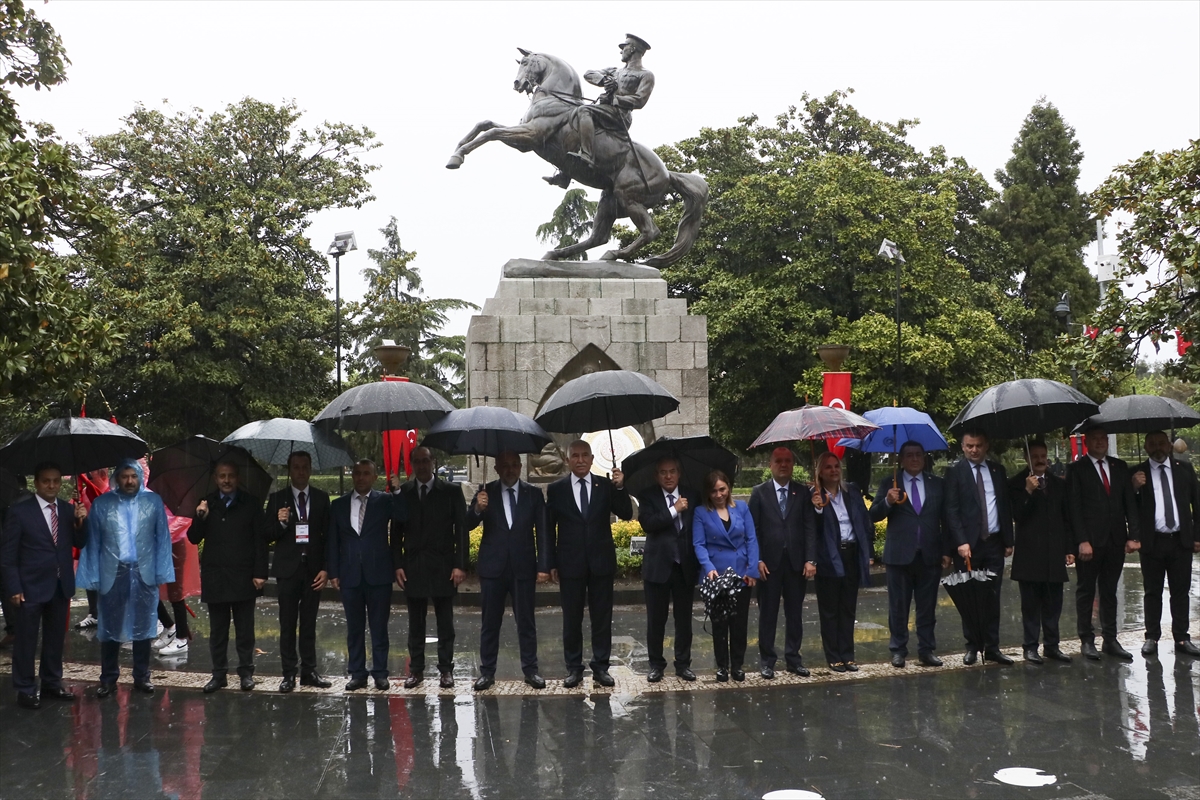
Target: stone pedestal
{"type": "Point", "coordinates": [550, 322]}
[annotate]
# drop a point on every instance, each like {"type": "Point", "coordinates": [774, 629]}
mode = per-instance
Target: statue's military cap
{"type": "Point", "coordinates": [639, 41]}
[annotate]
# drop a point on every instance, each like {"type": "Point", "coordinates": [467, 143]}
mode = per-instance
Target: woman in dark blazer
{"type": "Point", "coordinates": [844, 553]}
{"type": "Point", "coordinates": [723, 536]}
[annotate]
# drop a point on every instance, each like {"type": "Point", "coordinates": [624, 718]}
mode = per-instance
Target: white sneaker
{"type": "Point", "coordinates": [87, 622]}
{"type": "Point", "coordinates": [177, 647]}
{"type": "Point", "coordinates": [158, 631]}
{"type": "Point", "coordinates": [164, 639]}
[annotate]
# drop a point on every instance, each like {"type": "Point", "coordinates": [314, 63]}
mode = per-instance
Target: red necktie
{"type": "Point", "coordinates": [1104, 477]}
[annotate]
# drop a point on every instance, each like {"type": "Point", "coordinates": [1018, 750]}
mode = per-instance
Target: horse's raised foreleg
{"type": "Point", "coordinates": [520, 137]}
{"type": "Point", "coordinates": [606, 216]}
{"type": "Point", "coordinates": [640, 216]}
{"type": "Point", "coordinates": [479, 128]}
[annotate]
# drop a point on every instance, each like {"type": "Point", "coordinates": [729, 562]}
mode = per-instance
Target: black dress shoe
{"type": "Point", "coordinates": [1056, 654]}
{"type": "Point", "coordinates": [1185, 647]}
{"type": "Point", "coordinates": [485, 682]}
{"type": "Point", "coordinates": [897, 661]}
{"type": "Point", "coordinates": [970, 657]}
{"type": "Point", "coordinates": [738, 675]}
{"type": "Point", "coordinates": [929, 660]}
{"type": "Point", "coordinates": [287, 684]}
{"type": "Point", "coordinates": [145, 687]}
{"type": "Point", "coordinates": [602, 677]}
{"type": "Point", "coordinates": [685, 673]}
{"type": "Point", "coordinates": [1150, 647]}
{"type": "Point", "coordinates": [315, 680]}
{"type": "Point", "coordinates": [215, 683]}
{"type": "Point", "coordinates": [573, 679]}
{"type": "Point", "coordinates": [851, 666]}
{"type": "Point", "coordinates": [801, 670]}
{"type": "Point", "coordinates": [27, 700]}
{"type": "Point", "coordinates": [722, 675]}
{"type": "Point", "coordinates": [57, 692]}
{"type": "Point", "coordinates": [767, 673]}
{"type": "Point", "coordinates": [993, 654]}
{"type": "Point", "coordinates": [413, 680]}
{"type": "Point", "coordinates": [247, 683]}
{"type": "Point", "coordinates": [1112, 647]}
{"type": "Point", "coordinates": [382, 684]}
{"type": "Point", "coordinates": [655, 675]}
{"type": "Point", "coordinates": [105, 689]}
{"type": "Point", "coordinates": [446, 681]}
{"type": "Point", "coordinates": [1088, 648]}
{"type": "Point", "coordinates": [1031, 655]}
{"type": "Point", "coordinates": [354, 684]}
{"type": "Point", "coordinates": [535, 680]}
{"type": "Point", "coordinates": [838, 666]}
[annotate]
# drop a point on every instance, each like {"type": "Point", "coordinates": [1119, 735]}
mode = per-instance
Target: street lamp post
{"type": "Point", "coordinates": [1063, 311]}
{"type": "Point", "coordinates": [891, 252]}
{"type": "Point", "coordinates": [343, 243]}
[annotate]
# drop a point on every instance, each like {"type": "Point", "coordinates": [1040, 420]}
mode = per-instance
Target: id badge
{"type": "Point", "coordinates": [301, 533]}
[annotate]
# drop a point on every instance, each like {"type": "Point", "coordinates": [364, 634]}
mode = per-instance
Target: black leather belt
{"type": "Point", "coordinates": [848, 546]}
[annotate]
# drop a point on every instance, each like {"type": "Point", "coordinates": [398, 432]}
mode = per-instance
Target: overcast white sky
{"type": "Point", "coordinates": [1125, 75]}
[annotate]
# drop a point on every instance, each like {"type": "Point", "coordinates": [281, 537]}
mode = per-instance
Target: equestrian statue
{"type": "Point", "coordinates": [589, 142]}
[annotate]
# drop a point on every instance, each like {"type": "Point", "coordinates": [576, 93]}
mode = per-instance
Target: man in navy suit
{"type": "Point", "coordinates": [669, 567]}
{"type": "Point", "coordinates": [39, 579]}
{"type": "Point", "coordinates": [912, 552]}
{"type": "Point", "coordinates": [979, 516]}
{"type": "Point", "coordinates": [577, 513]}
{"type": "Point", "coordinates": [514, 555]}
{"type": "Point", "coordinates": [785, 524]}
{"type": "Point", "coordinates": [358, 561]}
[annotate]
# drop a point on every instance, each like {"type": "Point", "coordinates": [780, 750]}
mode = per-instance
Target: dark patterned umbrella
{"type": "Point", "coordinates": [971, 594]}
{"type": "Point", "coordinates": [720, 594]}
{"type": "Point", "coordinates": [75, 444]}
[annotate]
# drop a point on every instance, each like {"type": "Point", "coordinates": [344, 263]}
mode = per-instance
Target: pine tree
{"type": "Point", "coordinates": [1046, 221]}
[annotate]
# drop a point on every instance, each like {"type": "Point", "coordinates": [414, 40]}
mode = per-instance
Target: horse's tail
{"type": "Point", "coordinates": [694, 191]}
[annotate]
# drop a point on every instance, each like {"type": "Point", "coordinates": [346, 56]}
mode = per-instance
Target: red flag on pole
{"type": "Point", "coordinates": [836, 393]}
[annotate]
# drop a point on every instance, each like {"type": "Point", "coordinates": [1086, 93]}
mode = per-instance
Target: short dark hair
{"type": "Point", "coordinates": [227, 462]}
{"type": "Point", "coordinates": [43, 466]}
{"type": "Point", "coordinates": [300, 453]}
{"type": "Point", "coordinates": [976, 433]}
{"type": "Point", "coordinates": [912, 443]}
{"type": "Point", "coordinates": [1037, 443]}
{"type": "Point", "coordinates": [366, 462]}
{"type": "Point", "coordinates": [669, 458]}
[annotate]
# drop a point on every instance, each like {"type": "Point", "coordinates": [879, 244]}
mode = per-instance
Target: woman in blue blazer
{"type": "Point", "coordinates": [844, 552]}
{"type": "Point", "coordinates": [723, 535]}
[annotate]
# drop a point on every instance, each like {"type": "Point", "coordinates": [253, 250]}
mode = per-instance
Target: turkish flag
{"type": "Point", "coordinates": [397, 447]}
{"type": "Point", "coordinates": [1182, 344]}
{"type": "Point", "coordinates": [837, 395]}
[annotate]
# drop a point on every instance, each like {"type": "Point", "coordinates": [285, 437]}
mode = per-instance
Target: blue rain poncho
{"type": "Point", "coordinates": [127, 557]}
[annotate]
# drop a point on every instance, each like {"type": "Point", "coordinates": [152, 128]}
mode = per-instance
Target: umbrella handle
{"type": "Point", "coordinates": [968, 560]}
{"type": "Point", "coordinates": [897, 485]}
{"type": "Point", "coordinates": [819, 500]}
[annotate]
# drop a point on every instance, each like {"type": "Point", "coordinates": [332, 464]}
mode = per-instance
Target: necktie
{"type": "Point", "coordinates": [981, 490]}
{"type": "Point", "coordinates": [362, 512]}
{"type": "Point", "coordinates": [678, 520]}
{"type": "Point", "coordinates": [54, 522]}
{"type": "Point", "coordinates": [1104, 477]}
{"type": "Point", "coordinates": [228, 500]}
{"type": "Point", "coordinates": [512, 504]}
{"type": "Point", "coordinates": [914, 494]}
{"type": "Point", "coordinates": [583, 497]}
{"type": "Point", "coordinates": [783, 502]}
{"type": "Point", "coordinates": [424, 492]}
{"type": "Point", "coordinates": [303, 506]}
{"type": "Point", "coordinates": [1168, 501]}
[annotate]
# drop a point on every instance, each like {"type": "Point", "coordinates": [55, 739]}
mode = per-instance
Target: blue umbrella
{"type": "Point", "coordinates": [898, 425]}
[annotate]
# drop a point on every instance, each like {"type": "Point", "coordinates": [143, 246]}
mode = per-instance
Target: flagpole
{"type": "Point", "coordinates": [892, 253]}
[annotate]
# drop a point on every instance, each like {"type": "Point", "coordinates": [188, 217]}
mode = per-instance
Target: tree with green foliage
{"type": "Point", "coordinates": [394, 308]}
{"type": "Point", "coordinates": [50, 333]}
{"type": "Point", "coordinates": [1045, 220]}
{"type": "Point", "coordinates": [786, 261]}
{"type": "Point", "coordinates": [223, 293]}
{"type": "Point", "coordinates": [571, 222]}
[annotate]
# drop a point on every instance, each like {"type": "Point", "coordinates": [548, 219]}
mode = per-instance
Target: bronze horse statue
{"type": "Point", "coordinates": [632, 179]}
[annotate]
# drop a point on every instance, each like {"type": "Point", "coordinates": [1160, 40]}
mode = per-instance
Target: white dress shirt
{"type": "Point", "coordinates": [670, 503]}
{"type": "Point", "coordinates": [989, 491]}
{"type": "Point", "coordinates": [1160, 486]}
{"type": "Point", "coordinates": [46, 512]}
{"type": "Point", "coordinates": [838, 501]}
{"type": "Point", "coordinates": [356, 500]}
{"type": "Point", "coordinates": [575, 481]}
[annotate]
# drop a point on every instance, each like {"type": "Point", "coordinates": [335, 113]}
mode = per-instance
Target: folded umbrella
{"type": "Point", "coordinates": [486, 431]}
{"type": "Point", "coordinates": [971, 594]}
{"type": "Point", "coordinates": [182, 473]}
{"type": "Point", "coordinates": [384, 406]}
{"type": "Point", "coordinates": [1024, 408]}
{"type": "Point", "coordinates": [1142, 413]}
{"type": "Point", "coordinates": [75, 444]}
{"type": "Point", "coordinates": [272, 441]}
{"type": "Point", "coordinates": [697, 456]}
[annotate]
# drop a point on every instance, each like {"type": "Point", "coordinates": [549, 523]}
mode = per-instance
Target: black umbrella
{"type": "Point", "coordinates": [1023, 408]}
{"type": "Point", "coordinates": [181, 473]}
{"type": "Point", "coordinates": [75, 444]}
{"type": "Point", "coordinates": [384, 406]}
{"type": "Point", "coordinates": [604, 401]}
{"type": "Point", "coordinates": [971, 594]}
{"type": "Point", "coordinates": [720, 594]}
{"type": "Point", "coordinates": [1142, 413]}
{"type": "Point", "coordinates": [486, 431]}
{"type": "Point", "coordinates": [274, 440]}
{"type": "Point", "coordinates": [697, 456]}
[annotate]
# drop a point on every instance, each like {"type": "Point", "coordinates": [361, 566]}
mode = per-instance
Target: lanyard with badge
{"type": "Point", "coordinates": [302, 525]}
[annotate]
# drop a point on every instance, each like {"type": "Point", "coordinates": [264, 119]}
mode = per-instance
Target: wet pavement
{"type": "Point", "coordinates": [1102, 729]}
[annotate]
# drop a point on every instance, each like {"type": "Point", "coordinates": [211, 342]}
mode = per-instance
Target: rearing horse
{"type": "Point", "coordinates": [632, 179]}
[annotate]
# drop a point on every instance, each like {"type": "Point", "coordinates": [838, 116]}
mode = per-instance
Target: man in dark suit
{"type": "Point", "coordinates": [1104, 519]}
{"type": "Point", "coordinates": [39, 579]}
{"type": "Point", "coordinates": [979, 516]}
{"type": "Point", "coordinates": [1168, 500]}
{"type": "Point", "coordinates": [296, 521]}
{"type": "Point", "coordinates": [233, 569]}
{"type": "Point", "coordinates": [913, 552]}
{"type": "Point", "coordinates": [577, 513]}
{"type": "Point", "coordinates": [785, 524]}
{"type": "Point", "coordinates": [358, 560]}
{"type": "Point", "coordinates": [514, 555]}
{"type": "Point", "coordinates": [430, 552]}
{"type": "Point", "coordinates": [669, 567]}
